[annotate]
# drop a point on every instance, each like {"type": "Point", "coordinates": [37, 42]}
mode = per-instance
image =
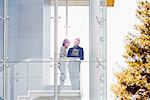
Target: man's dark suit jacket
{"type": "Point", "coordinates": [76, 51]}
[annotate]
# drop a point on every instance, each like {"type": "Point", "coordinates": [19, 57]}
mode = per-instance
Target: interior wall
{"type": "Point", "coordinates": [25, 29]}
{"type": "Point", "coordinates": [30, 29]}
{"type": "Point", "coordinates": [25, 40]}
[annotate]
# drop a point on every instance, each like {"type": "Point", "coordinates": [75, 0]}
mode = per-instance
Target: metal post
{"type": "Point", "coordinates": [55, 49]}
{"type": "Point", "coordinates": [5, 46]}
{"type": "Point", "coordinates": [67, 18]}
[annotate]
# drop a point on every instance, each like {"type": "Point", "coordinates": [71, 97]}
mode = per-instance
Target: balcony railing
{"type": "Point", "coordinates": [37, 76]}
{"type": "Point", "coordinates": [34, 78]}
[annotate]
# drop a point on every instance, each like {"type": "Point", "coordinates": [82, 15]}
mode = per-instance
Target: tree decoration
{"type": "Point", "coordinates": [134, 81]}
{"type": "Point", "coordinates": [110, 3]}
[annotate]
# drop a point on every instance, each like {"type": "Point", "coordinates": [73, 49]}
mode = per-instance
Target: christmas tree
{"type": "Point", "coordinates": [134, 81]}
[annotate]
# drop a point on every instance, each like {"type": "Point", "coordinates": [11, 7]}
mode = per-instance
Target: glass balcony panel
{"type": "Point", "coordinates": [69, 76]}
{"type": "Point", "coordinates": [17, 80]}
{"type": "Point", "coordinates": [37, 78]}
{"type": "Point", "coordinates": [39, 75]}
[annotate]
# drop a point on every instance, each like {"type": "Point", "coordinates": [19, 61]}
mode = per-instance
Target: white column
{"type": "Point", "coordinates": [94, 51]}
{"type": "Point", "coordinates": [46, 41]}
{"type": "Point", "coordinates": [55, 49]}
{"type": "Point", "coordinates": [103, 43]}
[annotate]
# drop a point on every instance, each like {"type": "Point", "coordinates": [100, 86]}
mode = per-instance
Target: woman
{"type": "Point", "coordinates": [64, 48]}
{"type": "Point", "coordinates": [63, 55]}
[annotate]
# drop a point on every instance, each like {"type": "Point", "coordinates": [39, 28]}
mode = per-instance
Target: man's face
{"type": "Point", "coordinates": [76, 42]}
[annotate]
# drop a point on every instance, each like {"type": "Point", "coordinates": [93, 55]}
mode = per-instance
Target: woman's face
{"type": "Point", "coordinates": [67, 44]}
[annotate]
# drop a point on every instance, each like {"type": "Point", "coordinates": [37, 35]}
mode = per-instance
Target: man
{"type": "Point", "coordinates": [75, 53]}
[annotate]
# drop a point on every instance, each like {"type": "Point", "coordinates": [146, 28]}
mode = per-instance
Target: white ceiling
{"type": "Point", "coordinates": [72, 2]}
